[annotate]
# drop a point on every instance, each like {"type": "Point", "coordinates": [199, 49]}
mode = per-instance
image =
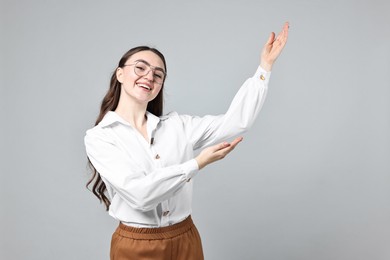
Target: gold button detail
{"type": "Point", "coordinates": [262, 77]}
{"type": "Point", "coordinates": [157, 157]}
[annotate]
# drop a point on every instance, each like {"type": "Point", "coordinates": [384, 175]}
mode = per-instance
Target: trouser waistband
{"type": "Point", "coordinates": [156, 233]}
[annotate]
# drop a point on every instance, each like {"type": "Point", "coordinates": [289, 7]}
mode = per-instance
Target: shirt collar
{"type": "Point", "coordinates": [112, 117]}
{"type": "Point", "coordinates": [152, 120]}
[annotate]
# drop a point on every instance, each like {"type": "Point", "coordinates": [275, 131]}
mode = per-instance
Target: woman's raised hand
{"type": "Point", "coordinates": [273, 48]}
{"type": "Point", "coordinates": [216, 152]}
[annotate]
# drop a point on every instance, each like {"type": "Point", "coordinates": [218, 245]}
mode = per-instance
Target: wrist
{"type": "Point", "coordinates": [200, 163]}
{"type": "Point", "coordinates": [267, 66]}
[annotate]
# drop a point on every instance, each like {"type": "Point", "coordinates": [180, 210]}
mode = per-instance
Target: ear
{"type": "Point", "coordinates": [119, 74]}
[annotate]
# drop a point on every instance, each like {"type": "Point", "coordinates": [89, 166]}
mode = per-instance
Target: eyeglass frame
{"type": "Point", "coordinates": [151, 68]}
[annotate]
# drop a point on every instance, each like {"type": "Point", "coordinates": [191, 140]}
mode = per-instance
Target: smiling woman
{"type": "Point", "coordinates": [143, 162]}
{"type": "Point", "coordinates": [141, 82]}
{"type": "Point", "coordinates": [110, 103]}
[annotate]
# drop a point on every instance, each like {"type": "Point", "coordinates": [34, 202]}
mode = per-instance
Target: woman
{"type": "Point", "coordinates": [143, 162]}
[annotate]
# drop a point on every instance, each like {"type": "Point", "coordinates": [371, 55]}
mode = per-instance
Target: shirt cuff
{"type": "Point", "coordinates": [190, 168]}
{"type": "Point", "coordinates": [262, 74]}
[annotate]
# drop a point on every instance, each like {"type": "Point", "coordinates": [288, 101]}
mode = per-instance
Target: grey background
{"type": "Point", "coordinates": [311, 180]}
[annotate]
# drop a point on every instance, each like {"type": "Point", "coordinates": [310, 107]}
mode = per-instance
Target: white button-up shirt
{"type": "Point", "coordinates": [149, 183]}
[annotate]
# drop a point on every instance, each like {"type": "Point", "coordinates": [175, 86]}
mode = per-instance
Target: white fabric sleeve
{"type": "Point", "coordinates": [243, 110]}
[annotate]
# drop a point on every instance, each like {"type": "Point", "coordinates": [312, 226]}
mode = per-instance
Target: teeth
{"type": "Point", "coordinates": [144, 86]}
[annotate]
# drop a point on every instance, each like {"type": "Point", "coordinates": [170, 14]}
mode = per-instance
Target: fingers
{"type": "Point", "coordinates": [227, 149]}
{"type": "Point", "coordinates": [236, 142]}
{"type": "Point", "coordinates": [221, 146]}
{"type": "Point", "coordinates": [216, 152]}
{"type": "Point", "coordinates": [225, 145]}
{"type": "Point", "coordinates": [282, 36]}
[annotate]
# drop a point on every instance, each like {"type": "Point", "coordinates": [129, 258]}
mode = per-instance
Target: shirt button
{"type": "Point", "coordinates": [262, 77]}
{"type": "Point", "coordinates": [157, 157]}
{"type": "Point", "coordinates": [166, 213]}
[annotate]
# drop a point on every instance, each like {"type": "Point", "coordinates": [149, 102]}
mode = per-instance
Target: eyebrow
{"type": "Point", "coordinates": [157, 68]}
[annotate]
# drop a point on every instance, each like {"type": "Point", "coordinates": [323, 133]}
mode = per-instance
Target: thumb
{"type": "Point", "coordinates": [271, 38]}
{"type": "Point", "coordinates": [221, 146]}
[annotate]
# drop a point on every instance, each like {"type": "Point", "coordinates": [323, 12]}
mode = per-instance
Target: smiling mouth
{"type": "Point", "coordinates": [144, 86]}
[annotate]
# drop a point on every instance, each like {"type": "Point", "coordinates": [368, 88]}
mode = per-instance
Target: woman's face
{"type": "Point", "coordinates": [141, 89]}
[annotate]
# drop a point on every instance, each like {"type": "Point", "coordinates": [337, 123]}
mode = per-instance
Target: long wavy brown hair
{"type": "Point", "coordinates": [110, 103]}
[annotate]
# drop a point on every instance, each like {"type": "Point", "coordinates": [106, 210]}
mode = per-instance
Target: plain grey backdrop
{"type": "Point", "coordinates": [311, 180]}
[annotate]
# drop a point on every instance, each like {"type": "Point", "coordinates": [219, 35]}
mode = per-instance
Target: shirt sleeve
{"type": "Point", "coordinates": [208, 130]}
{"type": "Point", "coordinates": [142, 191]}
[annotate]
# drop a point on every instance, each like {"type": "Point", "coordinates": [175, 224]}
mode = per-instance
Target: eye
{"type": "Point", "coordinates": [159, 76]}
{"type": "Point", "coordinates": [140, 67]}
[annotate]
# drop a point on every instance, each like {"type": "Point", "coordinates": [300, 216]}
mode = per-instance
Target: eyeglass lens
{"type": "Point", "coordinates": [141, 69]}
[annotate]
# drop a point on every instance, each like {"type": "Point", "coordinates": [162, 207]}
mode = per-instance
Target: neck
{"type": "Point", "coordinates": [133, 113]}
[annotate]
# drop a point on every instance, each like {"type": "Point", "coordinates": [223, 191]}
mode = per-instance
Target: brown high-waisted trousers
{"type": "Point", "coordinates": [177, 242]}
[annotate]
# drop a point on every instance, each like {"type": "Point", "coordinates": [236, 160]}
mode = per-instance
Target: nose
{"type": "Point", "coordinates": [149, 75]}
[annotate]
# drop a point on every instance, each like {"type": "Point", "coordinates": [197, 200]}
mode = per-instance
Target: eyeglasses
{"type": "Point", "coordinates": [142, 68]}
